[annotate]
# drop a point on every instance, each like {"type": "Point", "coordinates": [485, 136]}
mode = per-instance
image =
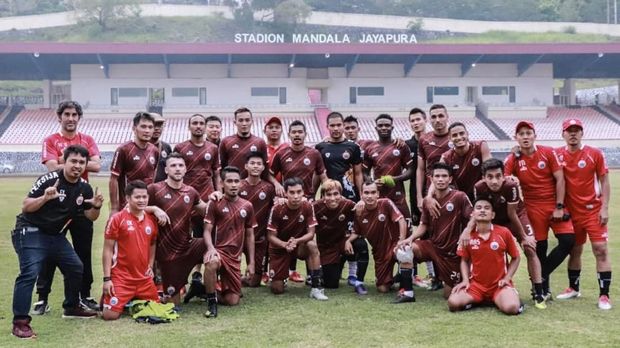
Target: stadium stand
{"type": "Point", "coordinates": [9, 118]}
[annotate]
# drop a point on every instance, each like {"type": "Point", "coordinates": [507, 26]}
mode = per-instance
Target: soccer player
{"type": "Point", "coordinates": [384, 226]}
{"type": "Point", "coordinates": [273, 134]}
{"type": "Point", "coordinates": [290, 231]}
{"type": "Point", "coordinates": [229, 226]}
{"type": "Point", "coordinates": [261, 194]}
{"type": "Point", "coordinates": [174, 203]}
{"type": "Point", "coordinates": [54, 200]}
{"type": "Point", "coordinates": [214, 130]}
{"type": "Point", "coordinates": [134, 160]}
{"type": "Point", "coordinates": [335, 215]}
{"type": "Point", "coordinates": [465, 158]}
{"type": "Point", "coordinates": [129, 253]}
{"type": "Point", "coordinates": [505, 196]}
{"type": "Point", "coordinates": [298, 160]}
{"type": "Point", "coordinates": [234, 148]}
{"type": "Point", "coordinates": [69, 115]}
{"type": "Point", "coordinates": [542, 180]}
{"type": "Point", "coordinates": [587, 199]}
{"type": "Point", "coordinates": [487, 277]}
{"type": "Point", "coordinates": [444, 231]}
{"type": "Point", "coordinates": [352, 131]}
{"type": "Point", "coordinates": [163, 147]}
{"type": "Point", "coordinates": [390, 163]}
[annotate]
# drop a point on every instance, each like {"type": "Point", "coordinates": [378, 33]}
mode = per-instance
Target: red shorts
{"type": "Point", "coordinates": [176, 271]}
{"type": "Point", "coordinates": [230, 273]}
{"type": "Point", "coordinates": [331, 253]}
{"type": "Point", "coordinates": [125, 291]}
{"type": "Point", "coordinates": [279, 260]}
{"type": "Point", "coordinates": [483, 294]}
{"type": "Point", "coordinates": [540, 217]}
{"type": "Point", "coordinates": [586, 226]}
{"type": "Point", "coordinates": [447, 266]}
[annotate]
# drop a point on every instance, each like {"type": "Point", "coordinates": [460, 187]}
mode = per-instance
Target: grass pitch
{"type": "Point", "coordinates": [265, 320]}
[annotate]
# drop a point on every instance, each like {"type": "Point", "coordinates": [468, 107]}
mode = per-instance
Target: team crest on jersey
{"type": "Point", "coordinates": [253, 148]}
{"type": "Point", "coordinates": [167, 196]}
{"type": "Point", "coordinates": [301, 218]}
{"type": "Point", "coordinates": [475, 162]}
{"type": "Point", "coordinates": [306, 161]}
{"type": "Point", "coordinates": [207, 156]}
{"type": "Point", "coordinates": [148, 230]}
{"type": "Point", "coordinates": [262, 195]}
{"type": "Point", "coordinates": [225, 210]}
{"type": "Point", "coordinates": [449, 206]}
{"type": "Point", "coordinates": [62, 195]}
{"type": "Point", "coordinates": [164, 154]}
{"type": "Point", "coordinates": [152, 160]}
{"type": "Point", "coordinates": [381, 217]}
{"type": "Point", "coordinates": [136, 158]}
{"type": "Point", "coordinates": [113, 300]}
{"type": "Point", "coordinates": [494, 245]}
{"type": "Point", "coordinates": [341, 217]}
{"type": "Point", "coordinates": [243, 213]}
{"type": "Point", "coordinates": [346, 155]}
{"type": "Point", "coordinates": [581, 164]}
{"type": "Point", "coordinates": [79, 200]}
{"type": "Point", "coordinates": [542, 165]}
{"type": "Point", "coordinates": [327, 154]}
{"type": "Point", "coordinates": [186, 199]}
{"type": "Point", "coordinates": [396, 152]}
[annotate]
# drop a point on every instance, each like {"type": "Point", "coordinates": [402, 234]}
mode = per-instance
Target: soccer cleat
{"type": "Point", "coordinates": [211, 310]}
{"type": "Point", "coordinates": [90, 303]}
{"type": "Point", "coordinates": [22, 329]}
{"type": "Point", "coordinates": [351, 280]}
{"type": "Point", "coordinates": [78, 312]}
{"type": "Point", "coordinates": [296, 277]}
{"type": "Point", "coordinates": [318, 294]}
{"type": "Point", "coordinates": [540, 303]}
{"type": "Point", "coordinates": [419, 282]}
{"type": "Point", "coordinates": [402, 298]}
{"type": "Point", "coordinates": [548, 296]}
{"type": "Point", "coordinates": [604, 303]}
{"type": "Point", "coordinates": [435, 285]}
{"type": "Point", "coordinates": [568, 293]}
{"type": "Point", "coordinates": [361, 289]}
{"type": "Point", "coordinates": [40, 308]}
{"type": "Point", "coordinates": [196, 289]}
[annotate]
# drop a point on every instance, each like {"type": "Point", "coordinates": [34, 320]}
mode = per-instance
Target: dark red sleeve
{"type": "Point", "coordinates": [274, 219]}
{"type": "Point", "coordinates": [118, 161]}
{"type": "Point", "coordinates": [223, 154]}
{"type": "Point", "coordinates": [405, 156]}
{"type": "Point", "coordinates": [320, 166]}
{"type": "Point", "coordinates": [310, 217]}
{"type": "Point", "coordinates": [210, 213]}
{"type": "Point", "coordinates": [250, 221]}
{"type": "Point", "coordinates": [275, 166]}
{"type": "Point", "coordinates": [395, 214]}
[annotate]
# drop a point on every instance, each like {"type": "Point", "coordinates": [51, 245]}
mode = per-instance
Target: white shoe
{"type": "Point", "coordinates": [318, 294]}
{"type": "Point", "coordinates": [568, 293]}
{"type": "Point", "coordinates": [604, 303]}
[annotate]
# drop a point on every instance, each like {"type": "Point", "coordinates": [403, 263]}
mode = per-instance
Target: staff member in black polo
{"type": "Point", "coordinates": [55, 199]}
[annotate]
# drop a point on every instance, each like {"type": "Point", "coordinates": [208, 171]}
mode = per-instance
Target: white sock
{"type": "Point", "coordinates": [430, 269]}
{"type": "Point", "coordinates": [408, 293]}
{"type": "Point", "coordinates": [358, 283]}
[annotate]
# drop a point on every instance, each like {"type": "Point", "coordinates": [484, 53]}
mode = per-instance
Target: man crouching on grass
{"type": "Point", "coordinates": [490, 279]}
{"type": "Point", "coordinates": [129, 253]}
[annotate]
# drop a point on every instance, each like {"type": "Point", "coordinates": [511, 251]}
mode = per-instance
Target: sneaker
{"type": "Point", "coordinates": [318, 294]}
{"type": "Point", "coordinates": [604, 303]}
{"type": "Point", "coordinates": [436, 284]}
{"type": "Point", "coordinates": [22, 329]}
{"type": "Point", "coordinates": [265, 278]}
{"type": "Point", "coordinates": [548, 296]}
{"type": "Point", "coordinates": [419, 282]}
{"type": "Point", "coordinates": [296, 277]}
{"type": "Point", "coordinates": [540, 302]}
{"type": "Point", "coordinates": [78, 313]}
{"type": "Point", "coordinates": [361, 289]}
{"type": "Point", "coordinates": [40, 308]}
{"type": "Point", "coordinates": [568, 293]}
{"type": "Point", "coordinates": [89, 303]}
{"type": "Point", "coordinates": [402, 298]}
{"type": "Point", "coordinates": [211, 310]}
{"type": "Point", "coordinates": [351, 280]}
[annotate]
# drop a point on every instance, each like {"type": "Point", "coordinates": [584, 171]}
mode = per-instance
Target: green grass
{"type": "Point", "coordinates": [345, 320]}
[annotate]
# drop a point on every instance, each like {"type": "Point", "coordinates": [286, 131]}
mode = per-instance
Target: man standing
{"type": "Point", "coordinates": [69, 115]}
{"type": "Point", "coordinates": [229, 227]}
{"type": "Point", "coordinates": [163, 147]}
{"type": "Point", "coordinates": [273, 133]}
{"type": "Point", "coordinates": [234, 148]}
{"type": "Point", "coordinates": [55, 199]}
{"type": "Point", "coordinates": [214, 130]}
{"type": "Point", "coordinates": [417, 121]}
{"type": "Point", "coordinates": [587, 199]}
{"type": "Point", "coordinates": [542, 179]}
{"type": "Point", "coordinates": [134, 160]}
{"type": "Point", "coordinates": [290, 231]}
{"type": "Point", "coordinates": [129, 253]}
{"type": "Point", "coordinates": [487, 277]}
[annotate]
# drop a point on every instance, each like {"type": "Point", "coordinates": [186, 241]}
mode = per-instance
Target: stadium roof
{"type": "Point", "coordinates": [52, 60]}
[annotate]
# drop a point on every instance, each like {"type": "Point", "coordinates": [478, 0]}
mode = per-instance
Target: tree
{"type": "Point", "coordinates": [291, 12]}
{"type": "Point", "coordinates": [104, 11]}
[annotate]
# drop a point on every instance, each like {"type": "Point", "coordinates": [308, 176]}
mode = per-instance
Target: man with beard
{"type": "Point", "coordinates": [234, 148]}
{"type": "Point", "coordinates": [164, 148]}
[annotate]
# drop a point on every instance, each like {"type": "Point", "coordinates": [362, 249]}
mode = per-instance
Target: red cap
{"type": "Point", "coordinates": [273, 119]}
{"type": "Point", "coordinates": [571, 122]}
{"type": "Point", "coordinates": [521, 124]}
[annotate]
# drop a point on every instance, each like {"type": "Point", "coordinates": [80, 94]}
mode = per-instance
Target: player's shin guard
{"type": "Point", "coordinates": [315, 278]}
{"type": "Point", "coordinates": [604, 281]}
{"type": "Point", "coordinates": [558, 254]}
{"type": "Point", "coordinates": [573, 278]}
{"type": "Point", "coordinates": [406, 282]}
{"type": "Point", "coordinates": [541, 251]}
{"type": "Point", "coordinates": [361, 251]}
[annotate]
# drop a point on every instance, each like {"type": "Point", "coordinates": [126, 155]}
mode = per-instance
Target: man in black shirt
{"type": "Point", "coordinates": [55, 199]}
{"type": "Point", "coordinates": [417, 121]}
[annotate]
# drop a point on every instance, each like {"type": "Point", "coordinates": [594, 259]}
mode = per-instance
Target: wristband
{"type": "Point", "coordinates": [559, 206]}
{"type": "Point", "coordinates": [107, 279]}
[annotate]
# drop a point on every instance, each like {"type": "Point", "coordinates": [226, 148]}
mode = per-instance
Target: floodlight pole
{"type": "Point", "coordinates": [615, 11]}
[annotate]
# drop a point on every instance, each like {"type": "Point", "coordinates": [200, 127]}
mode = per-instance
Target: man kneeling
{"type": "Point", "coordinates": [129, 253]}
{"type": "Point", "coordinates": [485, 256]}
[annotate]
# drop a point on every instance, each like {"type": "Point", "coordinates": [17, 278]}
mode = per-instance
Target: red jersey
{"type": "Point", "coordinates": [290, 223]}
{"type": "Point", "coordinates": [388, 159]}
{"type": "Point", "coordinates": [466, 169]}
{"type": "Point", "coordinates": [334, 227]}
{"type": "Point", "coordinates": [454, 215]}
{"type": "Point", "coordinates": [509, 193]}
{"type": "Point", "coordinates": [230, 220]}
{"type": "Point", "coordinates": [234, 149]}
{"type": "Point", "coordinates": [379, 226]}
{"type": "Point", "coordinates": [134, 163]}
{"type": "Point", "coordinates": [363, 144]}
{"type": "Point", "coordinates": [261, 196]}
{"type": "Point", "coordinates": [133, 237]}
{"type": "Point", "coordinates": [535, 173]}
{"type": "Point", "coordinates": [582, 170]}
{"type": "Point", "coordinates": [488, 257]}
{"type": "Point", "coordinates": [174, 238]}
{"type": "Point", "coordinates": [431, 147]}
{"type": "Point", "coordinates": [55, 144]}
{"type": "Point", "coordinates": [202, 162]}
{"type": "Point", "coordinates": [302, 164]}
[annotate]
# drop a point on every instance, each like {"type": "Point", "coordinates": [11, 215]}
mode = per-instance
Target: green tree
{"type": "Point", "coordinates": [104, 11]}
{"type": "Point", "coordinates": [291, 12]}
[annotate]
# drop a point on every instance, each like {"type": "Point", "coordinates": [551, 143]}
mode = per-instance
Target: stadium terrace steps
{"type": "Point", "coordinates": [10, 118]}
{"type": "Point", "coordinates": [611, 110]}
{"type": "Point", "coordinates": [491, 125]}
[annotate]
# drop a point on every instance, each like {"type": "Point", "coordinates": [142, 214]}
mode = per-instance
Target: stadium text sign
{"type": "Point", "coordinates": [321, 38]}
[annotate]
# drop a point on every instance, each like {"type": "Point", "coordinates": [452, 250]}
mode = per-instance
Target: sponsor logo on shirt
{"type": "Point", "coordinates": [62, 195]}
{"type": "Point", "coordinates": [323, 217]}
{"type": "Point", "coordinates": [455, 167]}
{"type": "Point", "coordinates": [365, 221]}
{"type": "Point", "coordinates": [243, 193]}
{"type": "Point", "coordinates": [225, 210]}
{"type": "Point", "coordinates": [235, 146]}
{"type": "Point", "coordinates": [288, 160]}
{"type": "Point", "coordinates": [190, 153]}
{"type": "Point", "coordinates": [327, 154]}
{"type": "Point", "coordinates": [475, 243]}
{"type": "Point", "coordinates": [285, 217]}
{"type": "Point", "coordinates": [136, 158]}
{"type": "Point", "coordinates": [167, 196]}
